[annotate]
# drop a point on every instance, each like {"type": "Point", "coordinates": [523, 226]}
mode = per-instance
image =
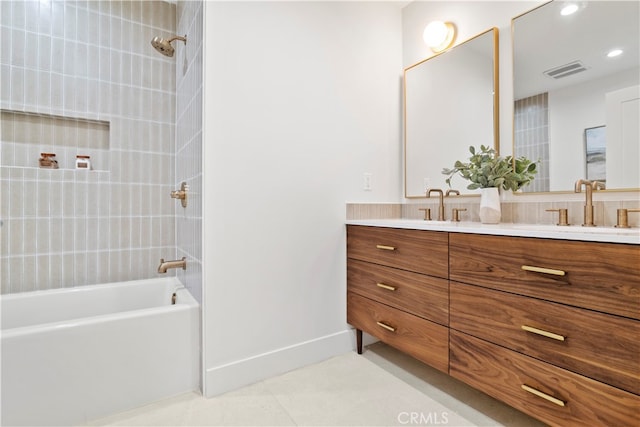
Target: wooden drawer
{"type": "Point", "coordinates": [424, 296]}
{"type": "Point", "coordinates": [599, 276]}
{"type": "Point", "coordinates": [597, 345]}
{"type": "Point", "coordinates": [420, 338]}
{"type": "Point", "coordinates": [501, 373]}
{"type": "Point", "coordinates": [413, 250]}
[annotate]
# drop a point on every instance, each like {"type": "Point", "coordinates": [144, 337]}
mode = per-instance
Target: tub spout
{"type": "Point", "coordinates": [178, 263]}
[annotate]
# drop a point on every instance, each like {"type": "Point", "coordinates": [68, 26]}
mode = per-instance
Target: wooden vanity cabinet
{"type": "Point", "coordinates": [420, 251]}
{"type": "Point", "coordinates": [599, 276]}
{"type": "Point", "coordinates": [598, 345]}
{"type": "Point", "coordinates": [397, 290]}
{"type": "Point", "coordinates": [569, 399]}
{"type": "Point", "coordinates": [550, 327]}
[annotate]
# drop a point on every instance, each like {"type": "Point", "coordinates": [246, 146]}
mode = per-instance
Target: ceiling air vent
{"type": "Point", "coordinates": [566, 70]}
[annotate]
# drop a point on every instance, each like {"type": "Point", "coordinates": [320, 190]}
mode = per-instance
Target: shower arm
{"type": "Point", "coordinates": [181, 38]}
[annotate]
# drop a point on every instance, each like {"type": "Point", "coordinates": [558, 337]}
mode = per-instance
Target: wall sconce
{"type": "Point", "coordinates": [439, 35]}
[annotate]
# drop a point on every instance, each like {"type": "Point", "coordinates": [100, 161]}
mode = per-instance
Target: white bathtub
{"type": "Point", "coordinates": [73, 355]}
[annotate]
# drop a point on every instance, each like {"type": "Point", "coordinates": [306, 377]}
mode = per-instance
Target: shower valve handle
{"type": "Point", "coordinates": [181, 194]}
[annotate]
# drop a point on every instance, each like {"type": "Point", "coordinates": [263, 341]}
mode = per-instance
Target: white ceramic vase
{"type": "Point", "coordinates": [490, 212]}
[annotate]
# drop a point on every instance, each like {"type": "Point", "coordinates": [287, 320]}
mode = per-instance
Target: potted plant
{"type": "Point", "coordinates": [490, 172]}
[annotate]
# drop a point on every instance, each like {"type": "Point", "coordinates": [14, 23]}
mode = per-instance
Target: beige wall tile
{"type": "Point", "coordinates": [42, 272]}
{"type": "Point", "coordinates": [56, 235]}
{"type": "Point", "coordinates": [55, 271]}
{"type": "Point", "coordinates": [68, 270]}
{"type": "Point", "coordinates": [28, 281]}
{"type": "Point", "coordinates": [42, 237]}
{"type": "Point", "coordinates": [80, 235]}
{"type": "Point", "coordinates": [377, 211]}
{"type": "Point", "coordinates": [79, 269]}
{"type": "Point", "coordinates": [93, 273]}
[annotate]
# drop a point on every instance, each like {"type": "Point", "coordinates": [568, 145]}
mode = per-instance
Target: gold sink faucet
{"type": "Point", "coordinates": [589, 187]}
{"type": "Point", "coordinates": [440, 201]}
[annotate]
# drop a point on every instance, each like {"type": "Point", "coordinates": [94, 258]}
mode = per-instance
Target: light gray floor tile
{"type": "Point", "coordinates": [457, 397]}
{"type": "Point", "coordinates": [352, 391]}
{"type": "Point", "coordinates": [381, 387]}
{"type": "Point", "coordinates": [253, 405]}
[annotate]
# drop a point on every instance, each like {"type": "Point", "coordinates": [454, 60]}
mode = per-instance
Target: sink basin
{"type": "Point", "coordinates": [578, 229]}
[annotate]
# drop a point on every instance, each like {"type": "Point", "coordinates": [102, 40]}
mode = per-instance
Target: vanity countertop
{"type": "Point", "coordinates": [545, 231]}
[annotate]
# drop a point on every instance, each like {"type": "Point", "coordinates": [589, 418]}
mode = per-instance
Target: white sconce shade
{"type": "Point", "coordinates": [439, 35]}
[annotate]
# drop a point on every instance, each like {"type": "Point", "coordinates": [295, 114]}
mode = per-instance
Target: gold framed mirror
{"type": "Point", "coordinates": [450, 103]}
{"type": "Point", "coordinates": [576, 109]}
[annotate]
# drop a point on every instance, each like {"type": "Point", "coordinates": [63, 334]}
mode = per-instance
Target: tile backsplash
{"type": "Point", "coordinates": [528, 209]}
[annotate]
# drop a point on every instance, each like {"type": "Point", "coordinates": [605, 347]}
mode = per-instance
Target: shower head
{"type": "Point", "coordinates": [164, 46]}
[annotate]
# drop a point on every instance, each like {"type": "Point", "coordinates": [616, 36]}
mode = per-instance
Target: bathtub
{"type": "Point", "coordinates": [73, 355]}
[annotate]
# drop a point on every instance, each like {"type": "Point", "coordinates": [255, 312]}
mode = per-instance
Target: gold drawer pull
{"type": "Point", "coordinates": [387, 287]}
{"type": "Point", "coordinates": [545, 396]}
{"type": "Point", "coordinates": [387, 327]}
{"type": "Point", "coordinates": [543, 270]}
{"type": "Point", "coordinates": [543, 333]}
{"type": "Point", "coordinates": [386, 248]}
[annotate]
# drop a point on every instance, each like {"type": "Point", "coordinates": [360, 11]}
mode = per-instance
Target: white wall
{"type": "Point", "coordinates": [301, 99]}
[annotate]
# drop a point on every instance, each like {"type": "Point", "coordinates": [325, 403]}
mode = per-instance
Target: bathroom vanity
{"type": "Point", "coordinates": [547, 322]}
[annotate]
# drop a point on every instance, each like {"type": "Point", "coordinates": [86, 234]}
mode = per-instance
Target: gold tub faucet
{"type": "Point", "coordinates": [178, 263]}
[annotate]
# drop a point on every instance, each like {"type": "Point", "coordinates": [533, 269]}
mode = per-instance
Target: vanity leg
{"type": "Point", "coordinates": [359, 340]}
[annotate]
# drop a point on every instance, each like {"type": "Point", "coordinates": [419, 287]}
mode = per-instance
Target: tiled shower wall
{"type": "Point", "coordinates": [87, 60]}
{"type": "Point", "coordinates": [189, 143]}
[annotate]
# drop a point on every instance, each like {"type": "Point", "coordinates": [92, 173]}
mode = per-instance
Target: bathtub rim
{"type": "Point", "coordinates": [21, 331]}
{"type": "Point", "coordinates": [87, 288]}
{"type": "Point", "coordinates": [185, 301]}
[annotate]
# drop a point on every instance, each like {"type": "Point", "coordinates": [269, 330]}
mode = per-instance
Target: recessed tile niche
{"type": "Point", "coordinates": [30, 134]}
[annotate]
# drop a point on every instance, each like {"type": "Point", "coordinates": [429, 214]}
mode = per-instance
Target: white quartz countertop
{"type": "Point", "coordinates": [573, 232]}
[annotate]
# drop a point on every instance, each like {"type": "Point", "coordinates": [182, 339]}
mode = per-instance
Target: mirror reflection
{"type": "Point", "coordinates": [577, 99]}
{"type": "Point", "coordinates": [450, 103]}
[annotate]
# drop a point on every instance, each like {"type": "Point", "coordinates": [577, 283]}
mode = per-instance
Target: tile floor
{"type": "Point", "coordinates": [383, 387]}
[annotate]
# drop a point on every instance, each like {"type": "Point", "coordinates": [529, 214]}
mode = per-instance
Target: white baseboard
{"type": "Point", "coordinates": [231, 376]}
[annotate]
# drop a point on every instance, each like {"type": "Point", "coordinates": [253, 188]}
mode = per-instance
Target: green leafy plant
{"type": "Point", "coordinates": [486, 169]}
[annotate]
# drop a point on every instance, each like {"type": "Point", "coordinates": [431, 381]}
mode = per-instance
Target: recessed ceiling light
{"type": "Point", "coordinates": [569, 9]}
{"type": "Point", "coordinates": [614, 52]}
